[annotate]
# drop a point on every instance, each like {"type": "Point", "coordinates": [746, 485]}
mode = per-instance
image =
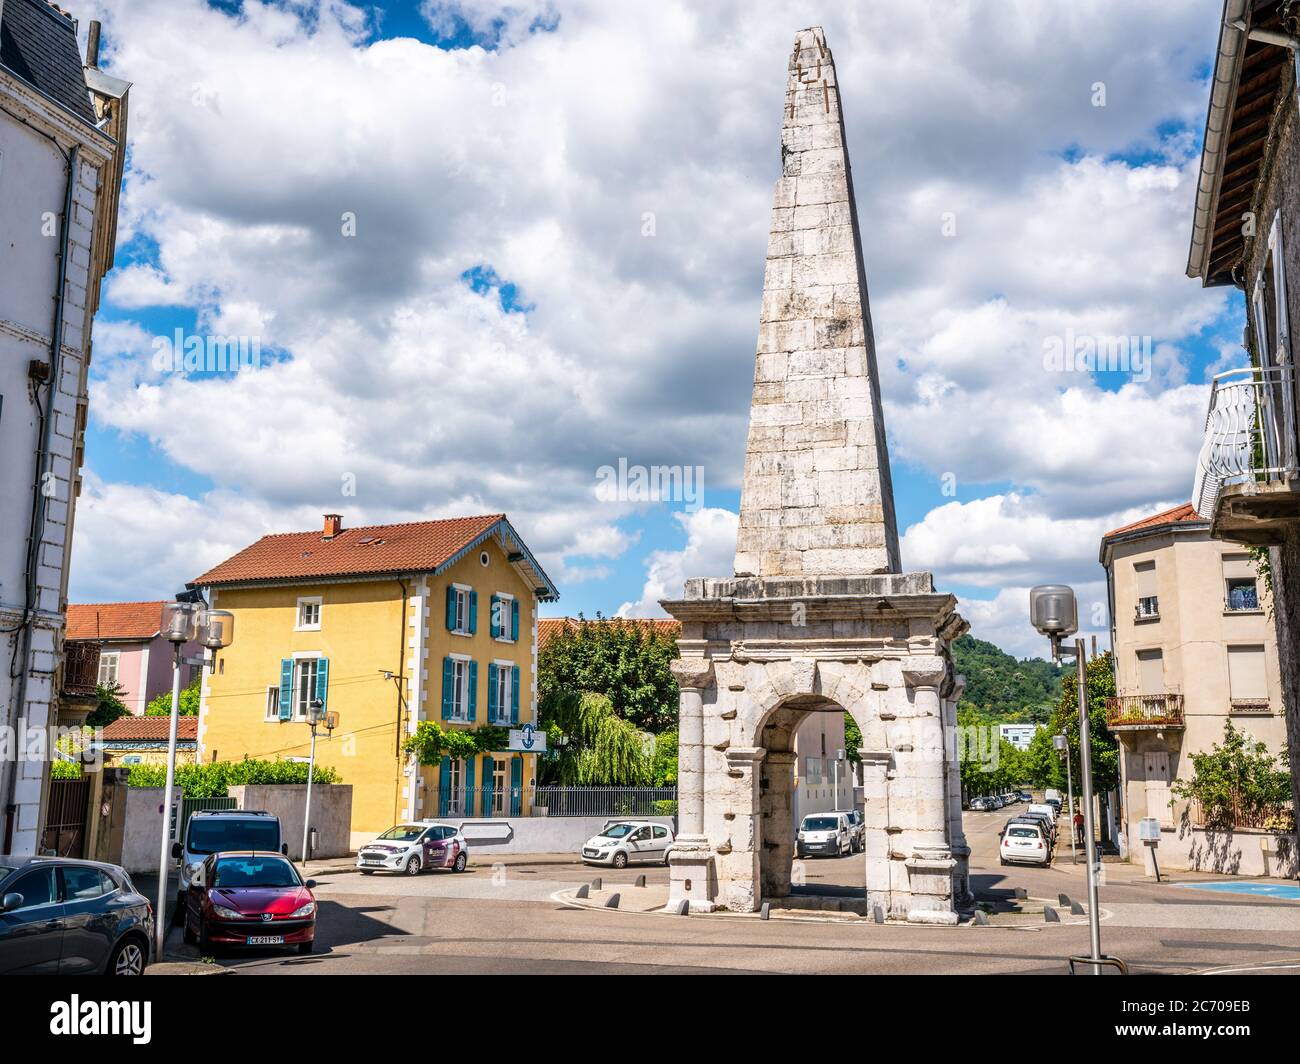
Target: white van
{"type": "Point", "coordinates": [825, 833]}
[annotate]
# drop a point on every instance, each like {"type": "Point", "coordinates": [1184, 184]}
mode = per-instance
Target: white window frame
{"type": "Point", "coordinates": [505, 683]}
{"type": "Point", "coordinates": [455, 787]}
{"type": "Point", "coordinates": [304, 601]}
{"type": "Point", "coordinates": [460, 688]}
{"type": "Point", "coordinates": [506, 599]}
{"type": "Point", "coordinates": [114, 656]}
{"type": "Point", "coordinates": [500, 784]}
{"type": "Point", "coordinates": [272, 703]}
{"type": "Point", "coordinates": [299, 660]}
{"type": "Point", "coordinates": [462, 609]}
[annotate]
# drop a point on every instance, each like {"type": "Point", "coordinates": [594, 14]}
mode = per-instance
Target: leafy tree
{"type": "Point", "coordinates": [988, 763]}
{"type": "Point", "coordinates": [663, 769]}
{"type": "Point", "coordinates": [590, 744]}
{"type": "Point", "coordinates": [432, 742]}
{"type": "Point", "coordinates": [627, 661]}
{"type": "Point", "coordinates": [110, 706]}
{"type": "Point", "coordinates": [1105, 748]}
{"type": "Point", "coordinates": [188, 704]}
{"type": "Point", "coordinates": [1238, 783]}
{"type": "Point", "coordinates": [852, 738]}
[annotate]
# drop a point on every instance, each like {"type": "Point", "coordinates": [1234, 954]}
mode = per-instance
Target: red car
{"type": "Point", "coordinates": [250, 899]}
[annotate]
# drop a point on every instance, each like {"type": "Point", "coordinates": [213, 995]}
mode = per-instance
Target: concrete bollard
{"type": "Point", "coordinates": [640, 881]}
{"type": "Point", "coordinates": [981, 918]}
{"type": "Point", "coordinates": [1076, 909]}
{"type": "Point", "coordinates": [1050, 916]}
{"type": "Point", "coordinates": [584, 891]}
{"type": "Point", "coordinates": [683, 908]}
{"type": "Point", "coordinates": [1064, 899]}
{"type": "Point", "coordinates": [766, 912]}
{"type": "Point", "coordinates": [1021, 894]}
{"type": "Point", "coordinates": [612, 902]}
{"type": "Point", "coordinates": [595, 883]}
{"type": "Point", "coordinates": [878, 914]}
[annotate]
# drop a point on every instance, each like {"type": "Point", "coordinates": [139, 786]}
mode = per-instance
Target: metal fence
{"type": "Point", "coordinates": [607, 801]}
{"type": "Point", "coordinates": [1232, 813]}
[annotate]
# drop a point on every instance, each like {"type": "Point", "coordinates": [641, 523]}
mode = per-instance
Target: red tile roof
{"type": "Point", "coordinates": [548, 627]}
{"type": "Point", "coordinates": [114, 620]}
{"type": "Point", "coordinates": [421, 546]}
{"type": "Point", "coordinates": [1178, 515]}
{"type": "Point", "coordinates": [151, 729]}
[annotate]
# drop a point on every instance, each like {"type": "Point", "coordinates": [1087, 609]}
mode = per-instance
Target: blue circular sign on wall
{"type": "Point", "coordinates": [529, 736]}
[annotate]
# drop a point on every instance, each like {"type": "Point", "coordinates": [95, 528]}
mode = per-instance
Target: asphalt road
{"type": "Point", "coordinates": [507, 920]}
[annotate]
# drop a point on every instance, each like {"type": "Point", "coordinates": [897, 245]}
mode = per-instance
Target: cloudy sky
{"type": "Point", "coordinates": [486, 248]}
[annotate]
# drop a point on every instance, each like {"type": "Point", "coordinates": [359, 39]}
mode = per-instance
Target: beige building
{"type": "Point", "coordinates": [1195, 647]}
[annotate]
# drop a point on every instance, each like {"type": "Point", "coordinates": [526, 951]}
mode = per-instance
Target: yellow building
{"type": "Point", "coordinates": [386, 626]}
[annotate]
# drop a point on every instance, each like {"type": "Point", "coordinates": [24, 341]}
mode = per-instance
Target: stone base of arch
{"type": "Point", "coordinates": [755, 655]}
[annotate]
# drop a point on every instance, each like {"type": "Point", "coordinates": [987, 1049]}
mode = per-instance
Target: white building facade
{"type": "Point", "coordinates": [62, 139]}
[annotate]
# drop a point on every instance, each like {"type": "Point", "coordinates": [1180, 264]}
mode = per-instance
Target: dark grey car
{"type": "Point", "coordinates": [59, 915]}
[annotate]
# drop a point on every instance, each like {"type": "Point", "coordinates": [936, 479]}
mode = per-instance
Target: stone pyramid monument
{"type": "Point", "coordinates": [817, 497]}
{"type": "Point", "coordinates": [819, 617]}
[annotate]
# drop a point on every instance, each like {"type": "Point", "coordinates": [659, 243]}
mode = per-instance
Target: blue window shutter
{"type": "Point", "coordinates": [489, 781]}
{"type": "Point", "coordinates": [494, 617]}
{"type": "Point", "coordinates": [473, 612]}
{"type": "Point", "coordinates": [469, 786]}
{"type": "Point", "coordinates": [451, 608]}
{"type": "Point", "coordinates": [444, 787]}
{"type": "Point", "coordinates": [448, 687]}
{"type": "Point", "coordinates": [514, 695]}
{"type": "Point", "coordinates": [323, 681]}
{"type": "Point", "coordinates": [493, 694]}
{"type": "Point", "coordinates": [514, 620]}
{"type": "Point", "coordinates": [516, 785]}
{"type": "Point", "coordinates": [286, 688]}
{"type": "Point", "coordinates": [473, 690]}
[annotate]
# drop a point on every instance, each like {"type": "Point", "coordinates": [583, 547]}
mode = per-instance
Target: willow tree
{"type": "Point", "coordinates": [590, 744]}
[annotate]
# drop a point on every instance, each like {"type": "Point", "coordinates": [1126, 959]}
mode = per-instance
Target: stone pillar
{"type": "Point", "coordinates": [777, 826]}
{"type": "Point", "coordinates": [692, 873]}
{"type": "Point", "coordinates": [875, 811]}
{"type": "Point", "coordinates": [929, 860]}
{"type": "Point", "coordinates": [737, 857]}
{"type": "Point", "coordinates": [956, 832]}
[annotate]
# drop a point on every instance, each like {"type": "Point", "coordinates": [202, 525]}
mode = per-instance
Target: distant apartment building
{"type": "Point", "coordinates": [62, 151]}
{"type": "Point", "coordinates": [1018, 735]}
{"type": "Point", "coordinates": [133, 655]}
{"type": "Point", "coordinates": [1194, 649]}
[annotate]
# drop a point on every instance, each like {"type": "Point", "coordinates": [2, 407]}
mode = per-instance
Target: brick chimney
{"type": "Point", "coordinates": [333, 525]}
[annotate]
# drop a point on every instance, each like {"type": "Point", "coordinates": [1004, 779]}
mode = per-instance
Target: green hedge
{"type": "Point", "coordinates": [211, 780]}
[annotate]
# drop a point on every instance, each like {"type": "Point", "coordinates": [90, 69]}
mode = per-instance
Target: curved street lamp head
{"type": "Point", "coordinates": [1053, 610]}
{"type": "Point", "coordinates": [180, 621]}
{"type": "Point", "coordinates": [216, 629]}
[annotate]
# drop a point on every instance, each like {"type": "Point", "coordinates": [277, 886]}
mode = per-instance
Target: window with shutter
{"type": "Point", "coordinates": [1148, 603]}
{"type": "Point", "coordinates": [514, 620]}
{"type": "Point", "coordinates": [514, 695]}
{"type": "Point", "coordinates": [1247, 679]}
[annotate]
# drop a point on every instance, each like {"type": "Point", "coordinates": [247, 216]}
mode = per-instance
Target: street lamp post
{"type": "Point", "coordinates": [1054, 611]}
{"type": "Point", "coordinates": [182, 622]}
{"type": "Point", "coordinates": [1062, 743]}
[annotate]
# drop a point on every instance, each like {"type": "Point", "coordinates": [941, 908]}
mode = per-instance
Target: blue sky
{"type": "Point", "coordinates": [503, 320]}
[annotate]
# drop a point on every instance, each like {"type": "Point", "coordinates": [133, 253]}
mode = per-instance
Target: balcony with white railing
{"type": "Point", "coordinates": [1247, 481]}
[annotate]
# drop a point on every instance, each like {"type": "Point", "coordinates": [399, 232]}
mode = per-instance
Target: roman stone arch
{"type": "Point", "coordinates": [819, 611]}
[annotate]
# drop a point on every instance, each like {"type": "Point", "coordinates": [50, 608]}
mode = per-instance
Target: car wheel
{"type": "Point", "coordinates": [668, 854]}
{"type": "Point", "coordinates": [127, 958]}
{"type": "Point", "coordinates": [305, 947]}
{"type": "Point", "coordinates": [620, 860]}
{"type": "Point", "coordinates": [412, 866]}
{"type": "Point", "coordinates": [462, 861]}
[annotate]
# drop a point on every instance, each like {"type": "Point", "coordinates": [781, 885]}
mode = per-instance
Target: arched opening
{"type": "Point", "coordinates": [806, 771]}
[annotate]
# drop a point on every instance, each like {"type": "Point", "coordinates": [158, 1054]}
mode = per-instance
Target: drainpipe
{"type": "Point", "coordinates": [38, 499]}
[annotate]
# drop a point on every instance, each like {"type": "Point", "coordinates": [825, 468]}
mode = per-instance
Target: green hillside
{"type": "Point", "coordinates": [998, 687]}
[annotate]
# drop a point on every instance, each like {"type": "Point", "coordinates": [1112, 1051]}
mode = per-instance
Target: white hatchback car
{"type": "Point", "coordinates": [626, 842]}
{"type": "Point", "coordinates": [1024, 843]}
{"type": "Point", "coordinates": [413, 847]}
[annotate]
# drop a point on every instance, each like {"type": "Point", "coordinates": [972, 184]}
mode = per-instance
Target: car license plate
{"type": "Point", "coordinates": [265, 940]}
{"type": "Point", "coordinates": [371, 860]}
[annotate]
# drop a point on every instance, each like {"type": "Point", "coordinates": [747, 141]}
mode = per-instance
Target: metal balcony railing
{"type": "Point", "coordinates": [80, 668]}
{"type": "Point", "coordinates": [1144, 711]}
{"type": "Point", "coordinates": [1250, 433]}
